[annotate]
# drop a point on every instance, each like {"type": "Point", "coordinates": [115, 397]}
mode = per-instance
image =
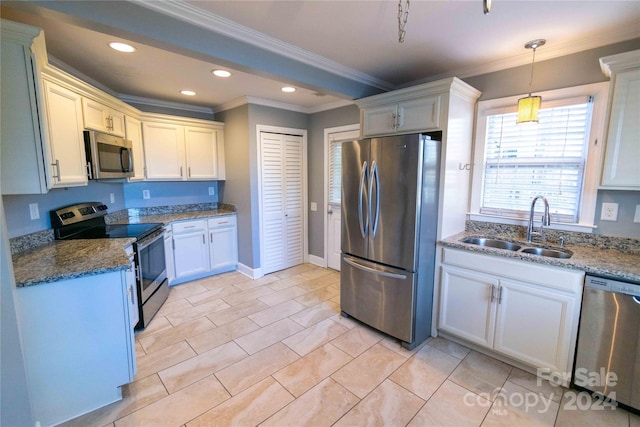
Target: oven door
{"type": "Point", "coordinates": [150, 263]}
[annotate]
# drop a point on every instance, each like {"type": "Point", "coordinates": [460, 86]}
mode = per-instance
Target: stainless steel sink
{"type": "Point", "coordinates": [492, 243]}
{"type": "Point", "coordinates": [552, 253]}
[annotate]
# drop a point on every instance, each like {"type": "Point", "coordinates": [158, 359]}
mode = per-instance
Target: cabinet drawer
{"type": "Point", "coordinates": [223, 221]}
{"type": "Point", "coordinates": [189, 226]}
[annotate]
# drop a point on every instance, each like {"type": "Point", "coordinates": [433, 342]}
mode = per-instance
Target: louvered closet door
{"type": "Point", "coordinates": [282, 220]}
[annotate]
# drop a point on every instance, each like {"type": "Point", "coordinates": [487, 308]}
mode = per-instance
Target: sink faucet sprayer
{"type": "Point", "coordinates": [546, 218]}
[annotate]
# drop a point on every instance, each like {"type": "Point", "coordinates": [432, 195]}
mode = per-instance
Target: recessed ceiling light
{"type": "Point", "coordinates": [221, 73]}
{"type": "Point", "coordinates": [288, 89]}
{"type": "Point", "coordinates": [188, 92]}
{"type": "Point", "coordinates": [122, 47]}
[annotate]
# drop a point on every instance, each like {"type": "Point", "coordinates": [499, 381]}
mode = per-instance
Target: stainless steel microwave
{"type": "Point", "coordinates": [108, 156]}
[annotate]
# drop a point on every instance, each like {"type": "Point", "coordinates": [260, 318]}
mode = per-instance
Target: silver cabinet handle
{"type": "Point", "coordinates": [189, 171]}
{"type": "Point", "coordinates": [203, 240]}
{"type": "Point", "coordinates": [57, 165]}
{"type": "Point", "coordinates": [499, 294]}
{"type": "Point", "coordinates": [373, 270]}
{"type": "Point", "coordinates": [89, 171]}
{"type": "Point", "coordinates": [180, 171]}
{"type": "Point", "coordinates": [492, 297]}
{"type": "Point", "coordinates": [131, 294]}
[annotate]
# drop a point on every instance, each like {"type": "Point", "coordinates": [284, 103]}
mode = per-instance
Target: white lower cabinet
{"type": "Point", "coordinates": [201, 247]}
{"type": "Point", "coordinates": [190, 248]}
{"type": "Point", "coordinates": [223, 241]}
{"type": "Point", "coordinates": [88, 318]}
{"type": "Point", "coordinates": [525, 311]}
{"type": "Point", "coordinates": [168, 253]}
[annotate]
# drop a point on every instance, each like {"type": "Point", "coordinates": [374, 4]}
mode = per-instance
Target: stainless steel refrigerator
{"type": "Point", "coordinates": [389, 222]}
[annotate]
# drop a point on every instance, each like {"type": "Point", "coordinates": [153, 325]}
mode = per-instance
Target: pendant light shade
{"type": "Point", "coordinates": [529, 106]}
{"type": "Point", "coordinates": [528, 109]}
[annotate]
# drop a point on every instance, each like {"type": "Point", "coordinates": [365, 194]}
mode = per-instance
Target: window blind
{"type": "Point", "coordinates": [526, 160]}
{"type": "Point", "coordinates": [335, 172]}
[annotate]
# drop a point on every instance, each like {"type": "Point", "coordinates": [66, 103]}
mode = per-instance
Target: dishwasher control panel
{"type": "Point", "coordinates": [610, 285]}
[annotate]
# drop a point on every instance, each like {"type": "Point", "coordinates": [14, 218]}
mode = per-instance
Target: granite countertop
{"type": "Point", "coordinates": [70, 259]}
{"type": "Point", "coordinates": [592, 260]}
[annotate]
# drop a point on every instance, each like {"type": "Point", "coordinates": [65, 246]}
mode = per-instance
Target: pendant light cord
{"type": "Point", "coordinates": [532, 62]}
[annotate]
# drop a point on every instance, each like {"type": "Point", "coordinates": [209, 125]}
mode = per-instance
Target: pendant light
{"type": "Point", "coordinates": [486, 6]}
{"type": "Point", "coordinates": [528, 106]}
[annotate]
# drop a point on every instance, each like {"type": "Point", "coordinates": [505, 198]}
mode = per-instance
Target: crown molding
{"type": "Point", "coordinates": [185, 12]}
{"type": "Point", "coordinates": [163, 104]}
{"type": "Point", "coordinates": [253, 100]}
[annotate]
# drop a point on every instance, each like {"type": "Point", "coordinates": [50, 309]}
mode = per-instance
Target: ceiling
{"type": "Point", "coordinates": [331, 51]}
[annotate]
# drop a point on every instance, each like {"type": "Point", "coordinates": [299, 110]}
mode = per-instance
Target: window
{"type": "Point", "coordinates": [548, 158]}
{"type": "Point", "coordinates": [557, 157]}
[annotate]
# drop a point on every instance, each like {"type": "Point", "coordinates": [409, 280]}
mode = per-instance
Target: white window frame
{"type": "Point", "coordinates": [586, 215]}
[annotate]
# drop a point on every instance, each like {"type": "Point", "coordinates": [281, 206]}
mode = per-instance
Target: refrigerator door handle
{"type": "Point", "coordinates": [376, 178]}
{"type": "Point", "coordinates": [363, 226]}
{"type": "Point", "coordinates": [373, 270]}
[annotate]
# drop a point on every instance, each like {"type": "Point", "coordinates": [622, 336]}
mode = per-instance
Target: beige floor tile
{"type": "Point", "coordinates": [634, 420]}
{"type": "Point", "coordinates": [276, 313]}
{"type": "Point", "coordinates": [321, 406]}
{"type": "Point", "coordinates": [158, 360]}
{"type": "Point", "coordinates": [139, 350]}
{"type": "Point", "coordinates": [365, 372]}
{"type": "Point", "coordinates": [173, 306]}
{"type": "Point", "coordinates": [536, 384]}
{"type": "Point", "coordinates": [212, 294]}
{"type": "Point", "coordinates": [425, 371]}
{"type": "Point", "coordinates": [345, 321]}
{"type": "Point", "coordinates": [180, 407]}
{"type": "Point", "coordinates": [157, 324]}
{"type": "Point", "coordinates": [222, 334]}
{"type": "Point", "coordinates": [248, 408]}
{"type": "Point", "coordinates": [387, 405]}
{"type": "Point", "coordinates": [481, 374]}
{"type": "Point", "coordinates": [196, 312]}
{"type": "Point", "coordinates": [262, 338]}
{"type": "Point", "coordinates": [321, 272]}
{"type": "Point", "coordinates": [283, 295]}
{"type": "Point", "coordinates": [185, 290]}
{"type": "Point", "coordinates": [135, 395]}
{"type": "Point", "coordinates": [231, 314]}
{"type": "Point", "coordinates": [317, 296]}
{"type": "Point", "coordinates": [287, 282]}
{"type": "Point", "coordinates": [452, 406]}
{"type": "Point", "coordinates": [220, 281]}
{"type": "Point", "coordinates": [358, 340]}
{"type": "Point", "coordinates": [293, 271]}
{"type": "Point", "coordinates": [248, 295]}
{"type": "Point", "coordinates": [449, 347]}
{"type": "Point", "coordinates": [314, 336]}
{"type": "Point", "coordinates": [318, 282]}
{"type": "Point", "coordinates": [255, 368]}
{"type": "Point", "coordinates": [176, 334]}
{"type": "Point", "coordinates": [517, 406]}
{"type": "Point", "coordinates": [315, 314]}
{"type": "Point", "coordinates": [579, 409]}
{"type": "Point", "coordinates": [308, 371]}
{"type": "Point", "coordinates": [396, 345]}
{"type": "Point", "coordinates": [192, 370]}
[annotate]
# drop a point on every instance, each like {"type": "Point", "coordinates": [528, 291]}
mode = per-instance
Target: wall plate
{"type": "Point", "coordinates": [609, 212]}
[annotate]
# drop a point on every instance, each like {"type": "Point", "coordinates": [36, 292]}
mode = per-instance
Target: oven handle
{"type": "Point", "coordinates": [147, 240]}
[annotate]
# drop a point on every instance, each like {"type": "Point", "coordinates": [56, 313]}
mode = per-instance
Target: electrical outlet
{"type": "Point", "coordinates": [34, 211]}
{"type": "Point", "coordinates": [146, 194]}
{"type": "Point", "coordinates": [636, 216]}
{"type": "Point", "coordinates": [212, 191]}
{"type": "Point", "coordinates": [609, 212]}
{"type": "Point", "coordinates": [112, 197]}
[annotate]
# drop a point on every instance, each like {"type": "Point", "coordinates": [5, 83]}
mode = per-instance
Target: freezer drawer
{"type": "Point", "coordinates": [380, 296]}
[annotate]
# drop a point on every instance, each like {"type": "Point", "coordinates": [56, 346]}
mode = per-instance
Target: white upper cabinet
{"type": "Point", "coordinates": [178, 149]}
{"type": "Point", "coordinates": [622, 151]}
{"type": "Point", "coordinates": [67, 163]}
{"type": "Point", "coordinates": [102, 118]}
{"type": "Point", "coordinates": [22, 145]}
{"type": "Point", "coordinates": [420, 114]}
{"type": "Point", "coordinates": [133, 128]}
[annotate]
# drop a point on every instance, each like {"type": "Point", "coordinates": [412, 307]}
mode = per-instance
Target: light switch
{"type": "Point", "coordinates": [212, 191]}
{"type": "Point", "coordinates": [636, 217]}
{"type": "Point", "coordinates": [314, 206]}
{"type": "Point", "coordinates": [112, 197]}
{"type": "Point", "coordinates": [34, 211]}
{"type": "Point", "coordinates": [146, 194]}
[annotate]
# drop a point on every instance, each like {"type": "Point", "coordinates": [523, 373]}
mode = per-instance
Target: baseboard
{"type": "Point", "coordinates": [316, 260]}
{"type": "Point", "coordinates": [253, 273]}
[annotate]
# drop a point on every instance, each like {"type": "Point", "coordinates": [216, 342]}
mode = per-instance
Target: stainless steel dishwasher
{"type": "Point", "coordinates": [608, 351]}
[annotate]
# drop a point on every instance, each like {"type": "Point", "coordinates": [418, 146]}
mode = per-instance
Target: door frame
{"type": "Point", "coordinates": [305, 232]}
{"type": "Point", "coordinates": [327, 132]}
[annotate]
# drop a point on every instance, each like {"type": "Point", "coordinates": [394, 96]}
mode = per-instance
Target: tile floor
{"type": "Point", "coordinates": [227, 350]}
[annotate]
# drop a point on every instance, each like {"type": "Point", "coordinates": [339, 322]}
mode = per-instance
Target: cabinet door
{"type": "Point", "coordinates": [163, 151]}
{"type": "Point", "coordinates": [466, 309]}
{"type": "Point", "coordinates": [95, 115]}
{"type": "Point", "coordinates": [201, 153]}
{"type": "Point", "coordinates": [190, 254]}
{"type": "Point", "coordinates": [379, 120]}
{"type": "Point", "coordinates": [117, 121]}
{"type": "Point", "coordinates": [134, 134]}
{"type": "Point", "coordinates": [419, 115]}
{"type": "Point", "coordinates": [534, 325]}
{"type": "Point", "coordinates": [223, 243]}
{"type": "Point", "coordinates": [622, 155]}
{"type": "Point", "coordinates": [64, 116]}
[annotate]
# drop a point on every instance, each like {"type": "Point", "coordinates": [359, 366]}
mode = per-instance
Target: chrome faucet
{"type": "Point", "coordinates": [546, 218]}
